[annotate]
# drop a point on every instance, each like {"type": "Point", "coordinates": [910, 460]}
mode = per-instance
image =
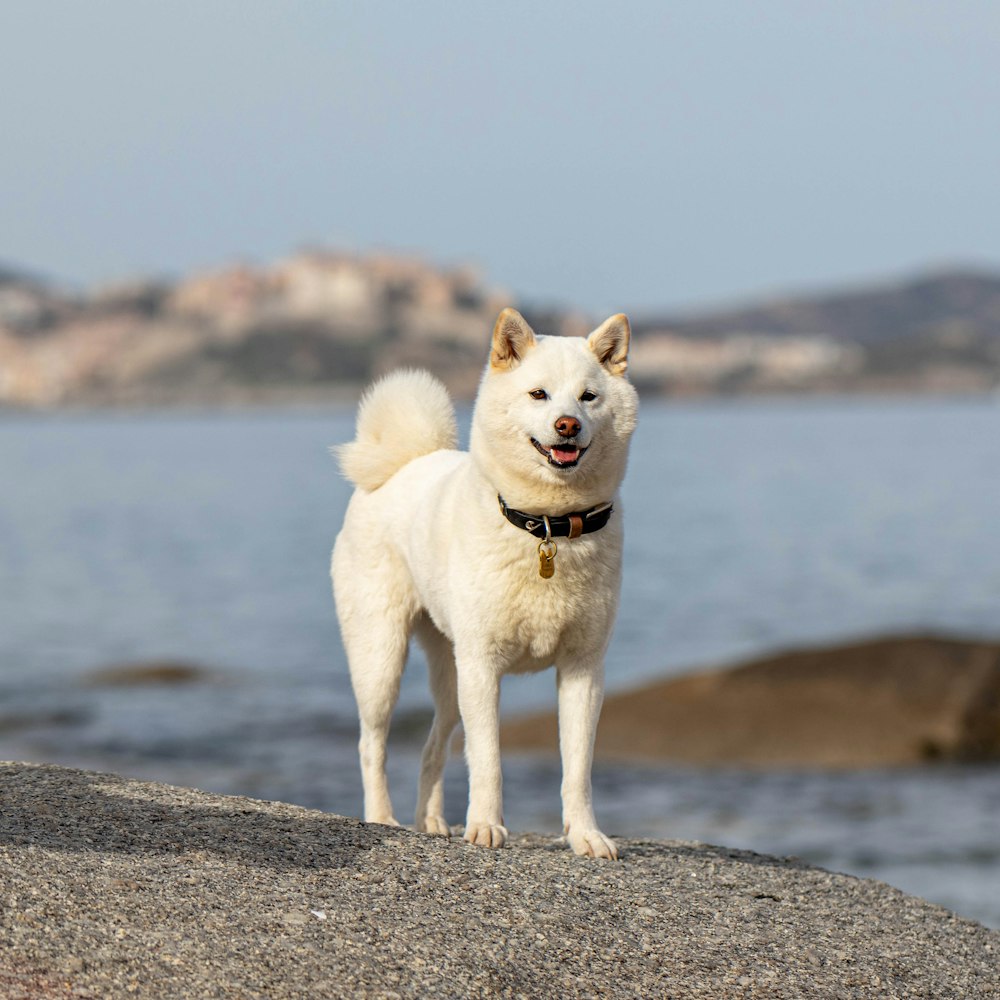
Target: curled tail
{"type": "Point", "coordinates": [401, 417]}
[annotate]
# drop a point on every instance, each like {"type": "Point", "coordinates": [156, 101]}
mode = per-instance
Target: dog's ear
{"type": "Point", "coordinates": [512, 338]}
{"type": "Point", "coordinates": [610, 343]}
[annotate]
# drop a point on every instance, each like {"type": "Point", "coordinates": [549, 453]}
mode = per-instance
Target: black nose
{"type": "Point", "coordinates": [568, 427]}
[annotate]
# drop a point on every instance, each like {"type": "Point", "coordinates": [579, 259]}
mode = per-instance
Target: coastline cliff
{"type": "Point", "coordinates": [316, 326]}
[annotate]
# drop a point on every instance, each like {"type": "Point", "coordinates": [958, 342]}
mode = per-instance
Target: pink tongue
{"type": "Point", "coordinates": [565, 455]}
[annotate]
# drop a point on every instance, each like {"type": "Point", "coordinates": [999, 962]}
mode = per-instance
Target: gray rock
{"type": "Point", "coordinates": [112, 887]}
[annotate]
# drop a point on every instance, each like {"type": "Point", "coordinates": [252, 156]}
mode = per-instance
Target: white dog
{"type": "Point", "coordinates": [502, 559]}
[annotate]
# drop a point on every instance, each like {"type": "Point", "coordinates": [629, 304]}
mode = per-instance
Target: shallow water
{"type": "Point", "coordinates": [750, 527]}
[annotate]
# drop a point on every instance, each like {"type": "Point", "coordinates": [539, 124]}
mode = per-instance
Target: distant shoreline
{"type": "Point", "coordinates": [340, 398]}
{"type": "Point", "coordinates": [318, 319]}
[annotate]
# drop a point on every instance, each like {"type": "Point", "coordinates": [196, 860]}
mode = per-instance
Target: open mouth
{"type": "Point", "coordinates": [562, 456]}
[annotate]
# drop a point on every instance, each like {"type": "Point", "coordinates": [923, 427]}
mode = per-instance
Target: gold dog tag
{"type": "Point", "coordinates": [547, 559]}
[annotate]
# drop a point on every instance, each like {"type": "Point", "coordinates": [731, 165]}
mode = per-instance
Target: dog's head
{"type": "Point", "coordinates": [554, 414]}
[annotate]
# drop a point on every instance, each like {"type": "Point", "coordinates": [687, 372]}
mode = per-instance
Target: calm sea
{"type": "Point", "coordinates": [751, 527]}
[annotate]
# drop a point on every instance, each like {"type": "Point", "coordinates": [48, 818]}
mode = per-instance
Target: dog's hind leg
{"type": "Point", "coordinates": [376, 689]}
{"type": "Point", "coordinates": [441, 668]}
{"type": "Point", "coordinates": [376, 613]}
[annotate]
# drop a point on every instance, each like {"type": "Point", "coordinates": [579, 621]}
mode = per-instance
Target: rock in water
{"type": "Point", "coordinates": [885, 702]}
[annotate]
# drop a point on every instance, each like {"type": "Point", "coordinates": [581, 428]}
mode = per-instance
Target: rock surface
{"type": "Point", "coordinates": [112, 887]}
{"type": "Point", "coordinates": [886, 702]}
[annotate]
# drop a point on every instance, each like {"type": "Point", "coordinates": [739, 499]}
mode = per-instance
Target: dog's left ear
{"type": "Point", "coordinates": [610, 343]}
{"type": "Point", "coordinates": [512, 338]}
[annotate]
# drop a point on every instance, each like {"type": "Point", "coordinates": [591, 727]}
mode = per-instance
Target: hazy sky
{"type": "Point", "coordinates": [610, 156]}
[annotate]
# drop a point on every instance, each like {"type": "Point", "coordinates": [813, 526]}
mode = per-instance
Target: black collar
{"type": "Point", "coordinates": [564, 526]}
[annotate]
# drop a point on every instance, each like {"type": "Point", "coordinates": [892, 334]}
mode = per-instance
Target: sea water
{"type": "Point", "coordinates": [750, 527]}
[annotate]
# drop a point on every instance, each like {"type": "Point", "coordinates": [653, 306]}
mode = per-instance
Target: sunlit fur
{"type": "Point", "coordinates": [392, 431]}
{"type": "Point", "coordinates": [425, 550]}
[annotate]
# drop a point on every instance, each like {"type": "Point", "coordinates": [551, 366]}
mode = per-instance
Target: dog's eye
{"type": "Point", "coordinates": [588, 396]}
{"type": "Point", "coordinates": [538, 394]}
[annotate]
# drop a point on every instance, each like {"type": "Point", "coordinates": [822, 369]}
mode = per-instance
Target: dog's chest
{"type": "Point", "coordinates": [542, 618]}
{"type": "Point", "coordinates": [481, 580]}
{"type": "Point", "coordinates": [543, 634]}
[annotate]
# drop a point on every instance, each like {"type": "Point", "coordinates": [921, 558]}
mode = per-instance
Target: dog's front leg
{"type": "Point", "coordinates": [581, 692]}
{"type": "Point", "coordinates": [479, 704]}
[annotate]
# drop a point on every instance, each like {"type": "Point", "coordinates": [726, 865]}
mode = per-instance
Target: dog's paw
{"type": "Point", "coordinates": [387, 820]}
{"type": "Point", "coordinates": [435, 825]}
{"type": "Point", "coordinates": [486, 834]}
{"type": "Point", "coordinates": [592, 844]}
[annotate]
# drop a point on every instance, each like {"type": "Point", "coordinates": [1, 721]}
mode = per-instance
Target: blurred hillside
{"type": "Point", "coordinates": [935, 333]}
{"type": "Point", "coordinates": [318, 323]}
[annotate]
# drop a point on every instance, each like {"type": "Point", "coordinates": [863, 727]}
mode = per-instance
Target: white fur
{"type": "Point", "coordinates": [424, 549]}
{"type": "Point", "coordinates": [391, 431]}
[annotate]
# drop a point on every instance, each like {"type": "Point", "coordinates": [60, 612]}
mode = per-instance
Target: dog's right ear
{"type": "Point", "coordinates": [512, 338]}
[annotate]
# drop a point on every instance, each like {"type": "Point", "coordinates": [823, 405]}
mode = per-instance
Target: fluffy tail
{"type": "Point", "coordinates": [401, 417]}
